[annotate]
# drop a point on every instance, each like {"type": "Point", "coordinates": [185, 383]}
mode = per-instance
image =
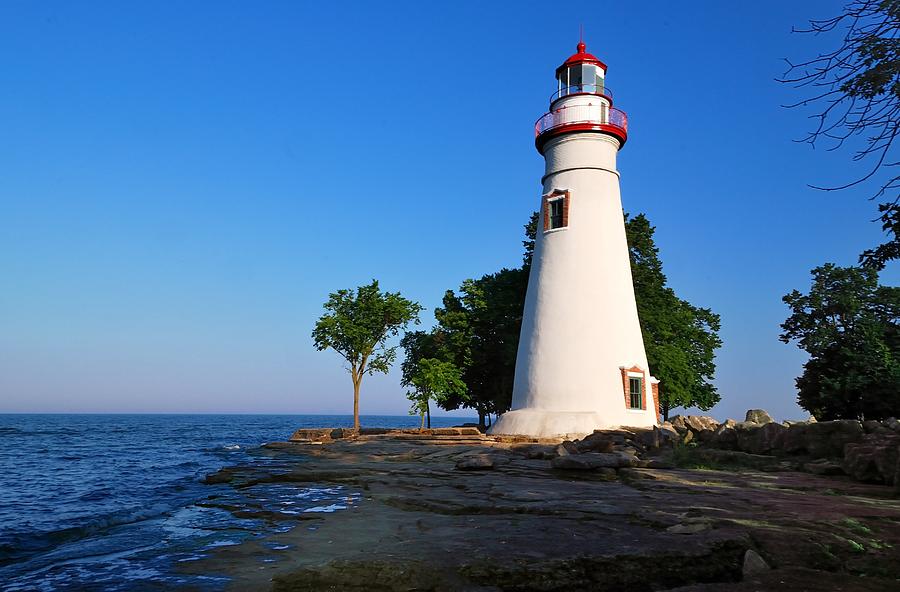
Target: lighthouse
{"type": "Point", "coordinates": [581, 363]}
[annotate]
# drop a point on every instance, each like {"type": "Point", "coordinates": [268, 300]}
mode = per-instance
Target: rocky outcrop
{"type": "Point", "coordinates": [758, 416]}
{"type": "Point", "coordinates": [822, 439]}
{"type": "Point", "coordinates": [759, 439]}
{"type": "Point", "coordinates": [594, 460]}
{"type": "Point", "coordinates": [875, 459]}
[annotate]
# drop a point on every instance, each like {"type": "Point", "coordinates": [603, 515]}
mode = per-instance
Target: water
{"type": "Point", "coordinates": [115, 502]}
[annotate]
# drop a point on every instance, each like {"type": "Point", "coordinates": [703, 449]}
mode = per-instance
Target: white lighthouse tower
{"type": "Point", "coordinates": [581, 363]}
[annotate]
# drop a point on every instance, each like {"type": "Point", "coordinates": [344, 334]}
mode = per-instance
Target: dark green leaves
{"type": "Point", "coordinates": [848, 324]}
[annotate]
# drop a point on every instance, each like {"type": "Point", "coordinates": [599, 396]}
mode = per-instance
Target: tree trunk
{"type": "Point", "coordinates": [422, 420]}
{"type": "Point", "coordinates": [356, 381]}
{"type": "Point", "coordinates": [428, 412]}
{"type": "Point", "coordinates": [481, 420]}
{"type": "Point", "coordinates": [665, 409]}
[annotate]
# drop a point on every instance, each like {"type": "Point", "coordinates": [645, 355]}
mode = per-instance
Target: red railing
{"type": "Point", "coordinates": [580, 115]}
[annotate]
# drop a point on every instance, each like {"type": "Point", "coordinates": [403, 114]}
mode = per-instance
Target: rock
{"type": "Point", "coordinates": [667, 434]}
{"type": "Point", "coordinates": [222, 476]}
{"type": "Point", "coordinates": [688, 437]}
{"type": "Point", "coordinates": [536, 451]}
{"type": "Point", "coordinates": [567, 448]}
{"type": "Point", "coordinates": [760, 439]}
{"type": "Point", "coordinates": [760, 416]}
{"type": "Point", "coordinates": [729, 423]}
{"type": "Point", "coordinates": [892, 423]}
{"type": "Point", "coordinates": [725, 437]}
{"type": "Point", "coordinates": [655, 463]}
{"type": "Point", "coordinates": [754, 564]}
{"type": "Point", "coordinates": [823, 466]}
{"type": "Point", "coordinates": [593, 460]}
{"type": "Point", "coordinates": [871, 425]}
{"type": "Point", "coordinates": [693, 528]}
{"type": "Point", "coordinates": [633, 474]}
{"type": "Point", "coordinates": [824, 438]}
{"type": "Point", "coordinates": [677, 422]}
{"type": "Point", "coordinates": [698, 423]}
{"type": "Point", "coordinates": [650, 439]}
{"type": "Point", "coordinates": [874, 460]}
{"type": "Point", "coordinates": [477, 462]}
{"type": "Point", "coordinates": [596, 442]}
{"type": "Point", "coordinates": [706, 436]}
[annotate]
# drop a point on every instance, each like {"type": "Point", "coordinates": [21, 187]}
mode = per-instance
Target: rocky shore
{"type": "Point", "coordinates": [672, 508]}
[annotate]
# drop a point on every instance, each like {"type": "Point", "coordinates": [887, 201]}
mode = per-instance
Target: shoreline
{"type": "Point", "coordinates": [439, 511]}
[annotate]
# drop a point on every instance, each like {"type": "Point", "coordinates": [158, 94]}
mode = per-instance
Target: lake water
{"type": "Point", "coordinates": [116, 502]}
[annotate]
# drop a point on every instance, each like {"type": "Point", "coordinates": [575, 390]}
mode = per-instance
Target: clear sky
{"type": "Point", "coordinates": [182, 184]}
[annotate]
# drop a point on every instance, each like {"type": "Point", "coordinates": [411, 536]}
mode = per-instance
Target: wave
{"type": "Point", "coordinates": [18, 546]}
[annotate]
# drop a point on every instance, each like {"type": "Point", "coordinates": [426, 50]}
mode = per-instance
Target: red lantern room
{"type": "Point", "coordinates": [582, 102]}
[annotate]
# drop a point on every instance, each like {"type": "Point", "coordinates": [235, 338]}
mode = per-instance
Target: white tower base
{"type": "Point", "coordinates": [549, 424]}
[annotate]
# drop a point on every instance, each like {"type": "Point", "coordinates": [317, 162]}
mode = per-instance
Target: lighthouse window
{"type": "Point", "coordinates": [556, 209]}
{"type": "Point", "coordinates": [635, 390]}
{"type": "Point", "coordinates": [556, 213]}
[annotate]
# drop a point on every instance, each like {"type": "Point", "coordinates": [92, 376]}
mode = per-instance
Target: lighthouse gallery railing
{"type": "Point", "coordinates": [581, 114]}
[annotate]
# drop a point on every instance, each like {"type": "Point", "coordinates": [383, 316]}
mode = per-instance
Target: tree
{"type": "Point", "coordinates": [848, 324]}
{"type": "Point", "coordinates": [856, 87]}
{"type": "Point", "coordinates": [680, 339]}
{"type": "Point", "coordinates": [478, 331]}
{"type": "Point", "coordinates": [433, 379]}
{"type": "Point", "coordinates": [357, 325]}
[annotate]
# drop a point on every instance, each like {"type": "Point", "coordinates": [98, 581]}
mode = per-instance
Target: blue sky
{"type": "Point", "coordinates": [182, 185]}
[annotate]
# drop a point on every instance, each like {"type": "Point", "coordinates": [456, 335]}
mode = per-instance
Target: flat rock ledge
{"type": "Point", "coordinates": [448, 511]}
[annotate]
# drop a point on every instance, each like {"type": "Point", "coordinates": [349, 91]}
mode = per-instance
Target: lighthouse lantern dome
{"type": "Point", "coordinates": [581, 73]}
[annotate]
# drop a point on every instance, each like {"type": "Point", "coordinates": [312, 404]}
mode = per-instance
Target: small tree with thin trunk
{"type": "Point", "coordinates": [433, 379]}
{"type": "Point", "coordinates": [357, 324]}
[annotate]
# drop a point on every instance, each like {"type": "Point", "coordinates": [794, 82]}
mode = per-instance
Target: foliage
{"type": "Point", "coordinates": [478, 328]}
{"type": "Point", "coordinates": [433, 379]}
{"type": "Point", "coordinates": [848, 325]}
{"type": "Point", "coordinates": [357, 324]}
{"type": "Point", "coordinates": [856, 88]}
{"type": "Point", "coordinates": [680, 339]}
{"type": "Point", "coordinates": [478, 332]}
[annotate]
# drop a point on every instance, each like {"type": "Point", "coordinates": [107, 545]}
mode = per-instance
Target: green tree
{"type": "Point", "coordinates": [848, 324]}
{"type": "Point", "coordinates": [680, 339]}
{"type": "Point", "coordinates": [357, 324]}
{"type": "Point", "coordinates": [433, 379]}
{"type": "Point", "coordinates": [855, 88]}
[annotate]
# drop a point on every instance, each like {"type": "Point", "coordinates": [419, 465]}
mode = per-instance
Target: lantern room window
{"type": "Point", "coordinates": [580, 78]}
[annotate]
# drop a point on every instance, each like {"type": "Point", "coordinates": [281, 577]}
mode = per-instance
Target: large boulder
{"type": "Point", "coordinates": [758, 416]}
{"type": "Point", "coordinates": [725, 437]}
{"type": "Point", "coordinates": [695, 424]}
{"type": "Point", "coordinates": [594, 460]}
{"type": "Point", "coordinates": [677, 422]}
{"type": "Point", "coordinates": [596, 442]}
{"type": "Point", "coordinates": [698, 423]}
{"type": "Point", "coordinates": [649, 439]}
{"type": "Point", "coordinates": [875, 459]}
{"type": "Point", "coordinates": [668, 435]}
{"type": "Point", "coordinates": [822, 439]}
{"type": "Point", "coordinates": [760, 439]}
